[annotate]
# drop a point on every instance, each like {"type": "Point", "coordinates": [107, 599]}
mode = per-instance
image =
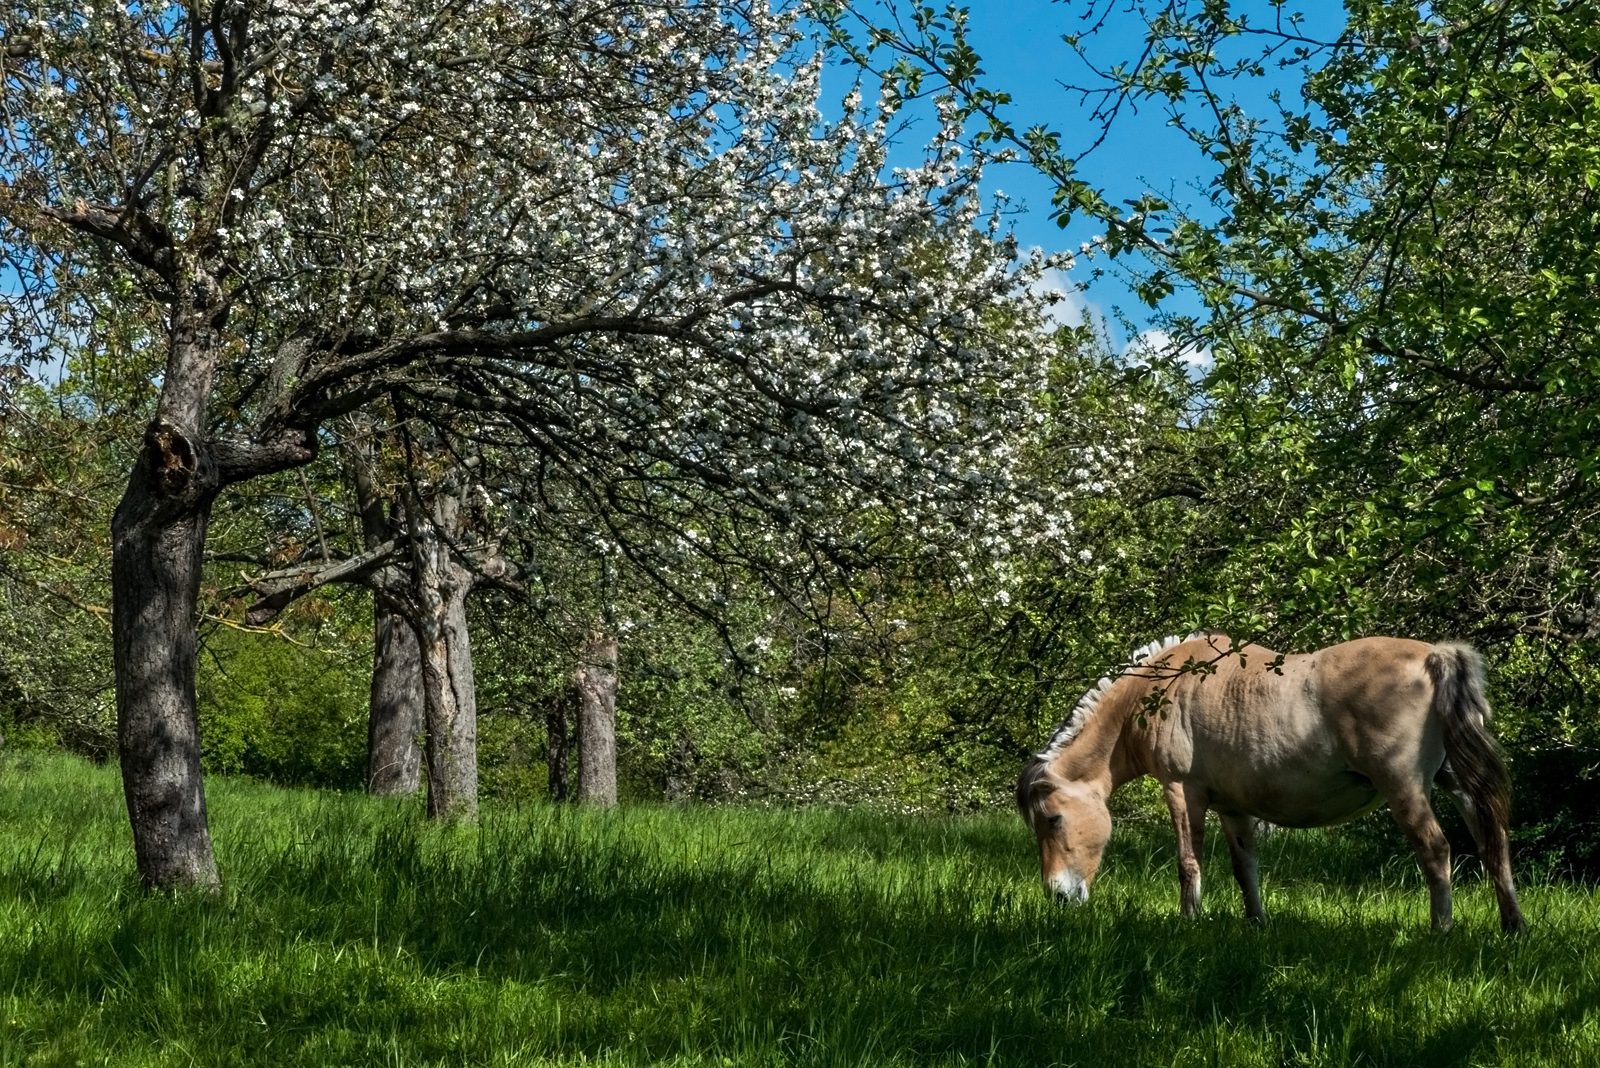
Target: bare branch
{"type": "Point", "coordinates": [278, 589]}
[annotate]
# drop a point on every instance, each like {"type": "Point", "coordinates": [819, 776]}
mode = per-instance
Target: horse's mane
{"type": "Point", "coordinates": [1079, 716]}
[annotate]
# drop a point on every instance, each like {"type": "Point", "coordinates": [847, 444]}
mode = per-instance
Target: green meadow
{"type": "Point", "coordinates": [352, 932]}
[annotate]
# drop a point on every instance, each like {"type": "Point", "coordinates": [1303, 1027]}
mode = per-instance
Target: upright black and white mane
{"type": "Point", "coordinates": [1079, 716]}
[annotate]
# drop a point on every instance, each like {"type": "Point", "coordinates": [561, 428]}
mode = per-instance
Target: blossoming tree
{"type": "Point", "coordinates": [622, 235]}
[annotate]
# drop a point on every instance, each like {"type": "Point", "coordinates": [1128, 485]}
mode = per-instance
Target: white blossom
{"type": "Point", "coordinates": [623, 236]}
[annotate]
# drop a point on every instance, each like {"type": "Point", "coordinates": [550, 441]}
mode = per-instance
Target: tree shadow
{"type": "Point", "coordinates": [843, 941]}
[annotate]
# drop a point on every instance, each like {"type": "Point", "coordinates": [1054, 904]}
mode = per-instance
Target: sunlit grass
{"type": "Point", "coordinates": [350, 932]}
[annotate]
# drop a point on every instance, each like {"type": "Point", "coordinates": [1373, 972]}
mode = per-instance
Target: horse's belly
{"type": "Point", "coordinates": [1303, 801]}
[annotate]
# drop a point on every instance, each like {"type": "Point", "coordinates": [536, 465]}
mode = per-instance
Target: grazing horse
{"type": "Point", "coordinates": [1300, 741]}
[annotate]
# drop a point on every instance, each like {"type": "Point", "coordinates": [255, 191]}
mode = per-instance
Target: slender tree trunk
{"type": "Point", "coordinates": [462, 741]}
{"type": "Point", "coordinates": [158, 536]}
{"type": "Point", "coordinates": [595, 683]}
{"type": "Point", "coordinates": [558, 750]}
{"type": "Point", "coordinates": [680, 770]}
{"type": "Point", "coordinates": [395, 709]}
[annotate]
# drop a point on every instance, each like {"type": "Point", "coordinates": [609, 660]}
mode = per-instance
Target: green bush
{"type": "Point", "coordinates": [511, 758]}
{"type": "Point", "coordinates": [283, 713]}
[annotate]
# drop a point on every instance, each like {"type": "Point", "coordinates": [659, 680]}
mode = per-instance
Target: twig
{"type": "Point", "coordinates": [276, 630]}
{"type": "Point", "coordinates": [99, 612]}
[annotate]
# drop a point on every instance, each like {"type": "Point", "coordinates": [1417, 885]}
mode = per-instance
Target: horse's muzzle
{"type": "Point", "coordinates": [1068, 887]}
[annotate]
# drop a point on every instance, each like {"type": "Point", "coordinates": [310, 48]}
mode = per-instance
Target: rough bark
{"type": "Point", "coordinates": [155, 578]}
{"type": "Point", "coordinates": [439, 593]}
{"type": "Point", "coordinates": [158, 535]}
{"type": "Point", "coordinates": [460, 744]}
{"type": "Point", "coordinates": [395, 707]}
{"type": "Point", "coordinates": [595, 683]}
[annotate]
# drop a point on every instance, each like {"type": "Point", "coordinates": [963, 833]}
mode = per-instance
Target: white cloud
{"type": "Point", "coordinates": [1196, 360]}
{"type": "Point", "coordinates": [1069, 307]}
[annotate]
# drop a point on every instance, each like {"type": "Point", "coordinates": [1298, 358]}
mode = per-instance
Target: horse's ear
{"type": "Point", "coordinates": [1032, 785]}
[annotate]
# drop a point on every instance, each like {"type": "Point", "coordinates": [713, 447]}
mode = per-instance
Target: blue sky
{"type": "Point", "coordinates": [1023, 54]}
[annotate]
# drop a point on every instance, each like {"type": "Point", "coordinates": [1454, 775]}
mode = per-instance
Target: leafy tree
{"type": "Point", "coordinates": [1401, 278]}
{"type": "Point", "coordinates": [284, 712]}
{"type": "Point", "coordinates": [1398, 274]}
{"type": "Point", "coordinates": [57, 480]}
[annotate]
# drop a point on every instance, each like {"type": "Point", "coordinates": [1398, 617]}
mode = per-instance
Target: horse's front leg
{"type": "Point", "coordinates": [1187, 803]}
{"type": "Point", "coordinates": [1241, 832]}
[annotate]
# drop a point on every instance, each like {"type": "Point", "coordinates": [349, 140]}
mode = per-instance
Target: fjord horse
{"type": "Point", "coordinates": [1299, 741]}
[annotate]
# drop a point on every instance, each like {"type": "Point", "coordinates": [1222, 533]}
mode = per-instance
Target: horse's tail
{"type": "Point", "coordinates": [1479, 770]}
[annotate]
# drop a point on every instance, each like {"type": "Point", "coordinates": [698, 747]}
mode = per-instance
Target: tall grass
{"type": "Point", "coordinates": [351, 932]}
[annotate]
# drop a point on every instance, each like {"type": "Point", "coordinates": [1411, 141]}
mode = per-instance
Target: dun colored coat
{"type": "Point", "coordinates": [1300, 741]}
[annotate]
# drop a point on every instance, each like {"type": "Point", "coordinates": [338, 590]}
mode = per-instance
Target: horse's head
{"type": "Point", "coordinates": [1073, 825]}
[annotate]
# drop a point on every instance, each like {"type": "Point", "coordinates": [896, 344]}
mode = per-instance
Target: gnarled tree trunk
{"type": "Point", "coordinates": [158, 536]}
{"type": "Point", "coordinates": [158, 539]}
{"type": "Point", "coordinates": [595, 683]}
{"type": "Point", "coordinates": [395, 706]}
{"type": "Point", "coordinates": [440, 585]}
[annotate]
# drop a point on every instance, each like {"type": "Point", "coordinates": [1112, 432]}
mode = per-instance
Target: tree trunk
{"type": "Point", "coordinates": [440, 587]}
{"type": "Point", "coordinates": [462, 740]}
{"type": "Point", "coordinates": [395, 709]}
{"type": "Point", "coordinates": [395, 705]}
{"type": "Point", "coordinates": [451, 709]}
{"type": "Point", "coordinates": [158, 536]}
{"type": "Point", "coordinates": [680, 770]}
{"type": "Point", "coordinates": [558, 750]}
{"type": "Point", "coordinates": [595, 682]}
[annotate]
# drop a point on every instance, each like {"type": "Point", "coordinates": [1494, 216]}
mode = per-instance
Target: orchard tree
{"type": "Point", "coordinates": [425, 543]}
{"type": "Point", "coordinates": [624, 233]}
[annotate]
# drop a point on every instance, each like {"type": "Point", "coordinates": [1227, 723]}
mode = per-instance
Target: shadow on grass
{"type": "Point", "coordinates": [350, 930]}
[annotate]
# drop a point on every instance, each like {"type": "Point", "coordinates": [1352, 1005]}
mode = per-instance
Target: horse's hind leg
{"type": "Point", "coordinates": [1409, 806]}
{"type": "Point", "coordinates": [1496, 861]}
{"type": "Point", "coordinates": [1241, 832]}
{"type": "Point", "coordinates": [1187, 803]}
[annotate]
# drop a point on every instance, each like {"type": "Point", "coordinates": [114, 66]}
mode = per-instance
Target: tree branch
{"type": "Point", "coordinates": [146, 241]}
{"type": "Point", "coordinates": [278, 588]}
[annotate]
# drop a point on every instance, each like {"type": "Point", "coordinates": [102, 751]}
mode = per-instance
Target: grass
{"type": "Point", "coordinates": [350, 932]}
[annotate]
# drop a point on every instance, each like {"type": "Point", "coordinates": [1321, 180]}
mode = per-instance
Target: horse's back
{"type": "Point", "coordinates": [1298, 739]}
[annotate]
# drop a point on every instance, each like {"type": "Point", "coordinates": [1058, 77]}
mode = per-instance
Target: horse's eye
{"type": "Point", "coordinates": [1055, 821]}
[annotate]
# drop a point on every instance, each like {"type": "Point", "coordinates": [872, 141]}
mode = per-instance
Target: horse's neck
{"type": "Point", "coordinates": [1100, 752]}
